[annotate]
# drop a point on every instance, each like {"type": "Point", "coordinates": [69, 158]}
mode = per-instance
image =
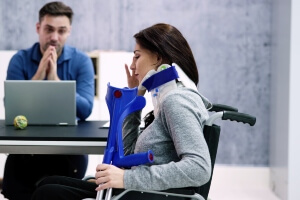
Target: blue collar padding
{"type": "Point", "coordinates": [160, 78]}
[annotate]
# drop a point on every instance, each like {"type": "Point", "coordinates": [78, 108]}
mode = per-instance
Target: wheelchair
{"type": "Point", "coordinates": [211, 134]}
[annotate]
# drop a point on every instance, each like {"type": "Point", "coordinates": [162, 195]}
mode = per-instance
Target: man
{"type": "Point", "coordinates": [50, 59]}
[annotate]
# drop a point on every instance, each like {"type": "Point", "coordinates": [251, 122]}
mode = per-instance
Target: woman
{"type": "Point", "coordinates": [181, 157]}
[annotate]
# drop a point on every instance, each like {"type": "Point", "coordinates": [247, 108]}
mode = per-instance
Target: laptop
{"type": "Point", "coordinates": [41, 102]}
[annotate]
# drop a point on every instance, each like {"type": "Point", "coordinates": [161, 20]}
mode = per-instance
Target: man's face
{"type": "Point", "coordinates": [54, 31]}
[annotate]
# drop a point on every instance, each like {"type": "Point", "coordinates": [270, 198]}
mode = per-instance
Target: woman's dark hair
{"type": "Point", "coordinates": [56, 8]}
{"type": "Point", "coordinates": [148, 119]}
{"type": "Point", "coordinates": [171, 46]}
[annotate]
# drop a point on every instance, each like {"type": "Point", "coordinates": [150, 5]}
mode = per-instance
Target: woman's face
{"type": "Point", "coordinates": [143, 61]}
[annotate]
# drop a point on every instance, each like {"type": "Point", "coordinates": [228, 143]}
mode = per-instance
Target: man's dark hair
{"type": "Point", "coordinates": [56, 8]}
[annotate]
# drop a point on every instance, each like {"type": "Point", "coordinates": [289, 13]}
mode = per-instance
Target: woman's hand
{"type": "Point", "coordinates": [109, 176]}
{"type": "Point", "coordinates": [132, 81]}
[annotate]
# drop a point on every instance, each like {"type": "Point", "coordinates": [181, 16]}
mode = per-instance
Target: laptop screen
{"type": "Point", "coordinates": [41, 102]}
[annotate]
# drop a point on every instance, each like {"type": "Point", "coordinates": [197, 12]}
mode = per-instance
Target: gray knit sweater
{"type": "Point", "coordinates": [181, 156]}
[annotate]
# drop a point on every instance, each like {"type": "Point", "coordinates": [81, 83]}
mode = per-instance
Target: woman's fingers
{"type": "Point", "coordinates": [131, 79]}
{"type": "Point", "coordinates": [127, 71]}
{"type": "Point", "coordinates": [101, 167]}
{"type": "Point", "coordinates": [109, 176]}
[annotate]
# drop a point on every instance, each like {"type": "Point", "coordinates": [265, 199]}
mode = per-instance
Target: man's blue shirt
{"type": "Point", "coordinates": [72, 64]}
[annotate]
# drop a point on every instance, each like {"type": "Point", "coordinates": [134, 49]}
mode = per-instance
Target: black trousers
{"type": "Point", "coordinates": [66, 188]}
{"type": "Point", "coordinates": [22, 173]}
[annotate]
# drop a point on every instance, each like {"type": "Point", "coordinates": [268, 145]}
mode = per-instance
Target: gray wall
{"type": "Point", "coordinates": [230, 40]}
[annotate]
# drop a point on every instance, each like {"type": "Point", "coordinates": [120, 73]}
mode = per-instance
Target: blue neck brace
{"type": "Point", "coordinates": [160, 78]}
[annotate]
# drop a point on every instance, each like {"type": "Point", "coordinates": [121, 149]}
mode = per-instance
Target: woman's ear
{"type": "Point", "coordinates": [159, 61]}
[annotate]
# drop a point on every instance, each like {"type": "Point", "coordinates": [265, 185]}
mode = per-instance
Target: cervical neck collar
{"type": "Point", "coordinates": [159, 83]}
{"type": "Point", "coordinates": [162, 81]}
{"type": "Point", "coordinates": [164, 74]}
